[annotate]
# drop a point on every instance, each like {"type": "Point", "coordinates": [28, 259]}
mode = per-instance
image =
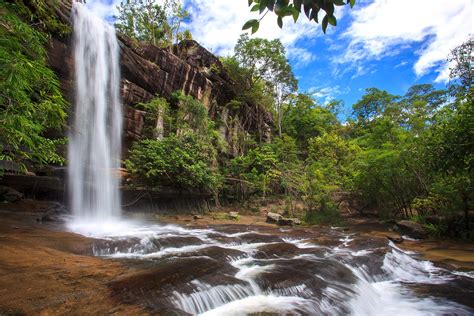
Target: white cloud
{"type": "Point", "coordinates": [385, 27]}
{"type": "Point", "coordinates": [401, 64]}
{"type": "Point", "coordinates": [103, 9]}
{"type": "Point", "coordinates": [328, 94]}
{"type": "Point", "coordinates": [217, 25]}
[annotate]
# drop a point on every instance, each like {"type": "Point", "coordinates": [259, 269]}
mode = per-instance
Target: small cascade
{"type": "Point", "coordinates": [95, 137]}
{"type": "Point", "coordinates": [228, 273]}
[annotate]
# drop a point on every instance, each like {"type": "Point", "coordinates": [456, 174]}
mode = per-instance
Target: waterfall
{"type": "Point", "coordinates": [95, 136]}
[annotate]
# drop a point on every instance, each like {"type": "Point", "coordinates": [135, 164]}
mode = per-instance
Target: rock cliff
{"type": "Point", "coordinates": [149, 71]}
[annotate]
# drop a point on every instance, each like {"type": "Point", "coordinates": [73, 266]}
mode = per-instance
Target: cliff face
{"type": "Point", "coordinates": [149, 71]}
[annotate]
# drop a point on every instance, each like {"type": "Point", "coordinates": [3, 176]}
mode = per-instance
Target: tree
{"type": "Point", "coordinates": [372, 104]}
{"type": "Point", "coordinates": [182, 162]}
{"type": "Point", "coordinates": [266, 61]}
{"type": "Point", "coordinates": [283, 8]}
{"type": "Point", "coordinates": [30, 97]}
{"type": "Point", "coordinates": [185, 154]}
{"type": "Point", "coordinates": [304, 119]}
{"type": "Point", "coordinates": [462, 74]}
{"type": "Point", "coordinates": [148, 21]}
{"type": "Point", "coordinates": [419, 105]}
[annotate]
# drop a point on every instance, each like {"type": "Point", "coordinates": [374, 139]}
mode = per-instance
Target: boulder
{"type": "Point", "coordinates": [9, 194]}
{"type": "Point", "coordinates": [273, 217]}
{"type": "Point", "coordinates": [233, 215]}
{"type": "Point", "coordinates": [296, 221]}
{"type": "Point", "coordinates": [412, 229]}
{"type": "Point", "coordinates": [285, 221]}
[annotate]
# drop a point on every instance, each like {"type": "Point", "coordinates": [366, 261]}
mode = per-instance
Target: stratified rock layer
{"type": "Point", "coordinates": [149, 71]}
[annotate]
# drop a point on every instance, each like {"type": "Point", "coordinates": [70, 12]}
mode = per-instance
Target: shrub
{"type": "Point", "coordinates": [180, 162]}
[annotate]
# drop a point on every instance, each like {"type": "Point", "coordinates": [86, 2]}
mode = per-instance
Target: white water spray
{"type": "Point", "coordinates": [95, 137]}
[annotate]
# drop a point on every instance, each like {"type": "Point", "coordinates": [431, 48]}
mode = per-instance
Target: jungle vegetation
{"type": "Point", "coordinates": [396, 156]}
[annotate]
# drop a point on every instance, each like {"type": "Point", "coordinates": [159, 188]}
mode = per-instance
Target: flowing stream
{"type": "Point", "coordinates": [241, 270]}
{"type": "Point", "coordinates": [95, 137]}
{"type": "Point", "coordinates": [228, 270]}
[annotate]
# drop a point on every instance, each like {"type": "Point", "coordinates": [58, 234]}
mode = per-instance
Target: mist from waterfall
{"type": "Point", "coordinates": [95, 137]}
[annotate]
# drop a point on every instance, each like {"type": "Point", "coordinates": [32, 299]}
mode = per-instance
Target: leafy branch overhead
{"type": "Point", "coordinates": [293, 8]}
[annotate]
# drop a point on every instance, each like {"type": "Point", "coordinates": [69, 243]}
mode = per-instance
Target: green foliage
{"type": "Point", "coordinates": [42, 14]}
{"type": "Point", "coordinates": [253, 100]}
{"type": "Point", "coordinates": [182, 162]}
{"type": "Point", "coordinates": [30, 99]}
{"type": "Point", "coordinates": [148, 21]}
{"type": "Point", "coordinates": [157, 117]}
{"type": "Point", "coordinates": [303, 120]}
{"type": "Point", "coordinates": [293, 8]}
{"type": "Point", "coordinates": [266, 62]}
{"type": "Point", "coordinates": [328, 215]}
{"type": "Point", "coordinates": [257, 170]}
{"type": "Point", "coordinates": [462, 74]}
{"type": "Point", "coordinates": [371, 105]}
{"type": "Point", "coordinates": [417, 156]}
{"type": "Point", "coordinates": [407, 156]}
{"type": "Point", "coordinates": [192, 114]}
{"type": "Point", "coordinates": [185, 154]}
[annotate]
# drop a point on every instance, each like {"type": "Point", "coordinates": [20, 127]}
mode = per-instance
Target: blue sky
{"type": "Point", "coordinates": [388, 44]}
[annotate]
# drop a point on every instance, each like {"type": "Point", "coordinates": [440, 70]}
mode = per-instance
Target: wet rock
{"type": "Point", "coordinates": [396, 240]}
{"type": "Point", "coordinates": [9, 194]}
{"type": "Point", "coordinates": [151, 287]}
{"type": "Point", "coordinates": [47, 218]}
{"type": "Point", "coordinates": [280, 249]}
{"type": "Point", "coordinates": [233, 215]}
{"type": "Point", "coordinates": [285, 221]}
{"type": "Point", "coordinates": [412, 229]}
{"type": "Point", "coordinates": [196, 217]}
{"type": "Point", "coordinates": [273, 217]}
{"type": "Point", "coordinates": [388, 222]}
{"type": "Point", "coordinates": [257, 238]}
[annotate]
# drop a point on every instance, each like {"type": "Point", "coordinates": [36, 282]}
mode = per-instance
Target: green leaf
{"type": "Point", "coordinates": [249, 24]}
{"type": "Point", "coordinates": [324, 23]}
{"type": "Point", "coordinates": [280, 22]}
{"type": "Point", "coordinates": [352, 2]}
{"type": "Point", "coordinates": [307, 10]}
{"type": "Point", "coordinates": [263, 5]}
{"type": "Point", "coordinates": [286, 11]}
{"type": "Point", "coordinates": [255, 27]}
{"type": "Point", "coordinates": [297, 4]}
{"type": "Point", "coordinates": [250, 2]}
{"type": "Point", "coordinates": [339, 2]}
{"type": "Point", "coordinates": [314, 15]}
{"type": "Point", "coordinates": [332, 20]}
{"type": "Point", "coordinates": [271, 5]}
{"type": "Point", "coordinates": [256, 7]}
{"type": "Point", "coordinates": [296, 14]}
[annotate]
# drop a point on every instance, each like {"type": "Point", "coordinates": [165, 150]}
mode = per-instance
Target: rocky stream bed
{"type": "Point", "coordinates": [181, 266]}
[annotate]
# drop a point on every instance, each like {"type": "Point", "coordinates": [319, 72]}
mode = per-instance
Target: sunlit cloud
{"type": "Point", "coordinates": [385, 27]}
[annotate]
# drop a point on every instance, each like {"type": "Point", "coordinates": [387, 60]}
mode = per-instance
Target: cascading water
{"type": "Point", "coordinates": [95, 137]}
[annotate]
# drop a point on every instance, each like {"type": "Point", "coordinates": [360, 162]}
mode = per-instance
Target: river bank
{"type": "Point", "coordinates": [47, 270]}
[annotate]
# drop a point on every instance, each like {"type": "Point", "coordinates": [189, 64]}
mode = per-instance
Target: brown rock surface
{"type": "Point", "coordinates": [49, 272]}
